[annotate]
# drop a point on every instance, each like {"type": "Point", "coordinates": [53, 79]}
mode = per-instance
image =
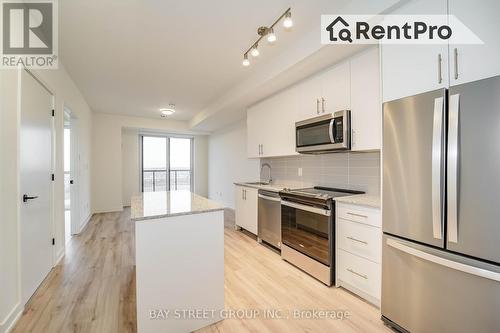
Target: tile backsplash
{"type": "Point", "coordinates": [356, 171]}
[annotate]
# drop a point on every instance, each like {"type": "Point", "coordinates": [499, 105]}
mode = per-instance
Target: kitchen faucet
{"type": "Point", "coordinates": [269, 166]}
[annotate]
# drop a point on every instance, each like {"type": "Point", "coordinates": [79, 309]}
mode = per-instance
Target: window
{"type": "Point", "coordinates": [166, 163]}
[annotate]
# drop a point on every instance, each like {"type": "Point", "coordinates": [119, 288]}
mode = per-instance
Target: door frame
{"type": "Point", "coordinates": [53, 171]}
{"type": "Point", "coordinates": [74, 171]}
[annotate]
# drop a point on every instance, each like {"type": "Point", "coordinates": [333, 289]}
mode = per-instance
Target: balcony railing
{"type": "Point", "coordinates": [154, 180]}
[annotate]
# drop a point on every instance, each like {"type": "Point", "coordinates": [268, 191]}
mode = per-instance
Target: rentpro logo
{"type": "Point", "coordinates": [394, 29]}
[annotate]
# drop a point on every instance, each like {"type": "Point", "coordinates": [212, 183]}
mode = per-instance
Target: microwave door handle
{"type": "Point", "coordinates": [330, 131]}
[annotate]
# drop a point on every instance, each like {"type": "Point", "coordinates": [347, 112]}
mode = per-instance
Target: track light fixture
{"type": "Point", "coordinates": [268, 32]}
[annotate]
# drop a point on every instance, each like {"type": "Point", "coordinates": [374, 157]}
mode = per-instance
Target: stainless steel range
{"type": "Point", "coordinates": [308, 229]}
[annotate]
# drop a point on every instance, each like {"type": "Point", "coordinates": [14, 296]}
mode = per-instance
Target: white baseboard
{"type": "Point", "coordinates": [11, 319]}
{"type": "Point", "coordinates": [110, 210]}
{"type": "Point", "coordinates": [60, 255]}
{"type": "Point", "coordinates": [84, 224]}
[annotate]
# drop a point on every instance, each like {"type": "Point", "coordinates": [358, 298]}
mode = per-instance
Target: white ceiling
{"type": "Point", "coordinates": [133, 57]}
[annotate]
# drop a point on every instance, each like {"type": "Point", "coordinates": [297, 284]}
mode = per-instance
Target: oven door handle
{"type": "Point", "coordinates": [265, 197]}
{"type": "Point", "coordinates": [315, 210]}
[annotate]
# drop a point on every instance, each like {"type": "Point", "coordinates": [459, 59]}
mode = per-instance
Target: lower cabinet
{"type": "Point", "coordinates": [359, 251]}
{"type": "Point", "coordinates": [246, 208]}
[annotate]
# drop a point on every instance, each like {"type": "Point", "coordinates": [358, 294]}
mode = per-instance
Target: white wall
{"type": "Point", "coordinates": [107, 160]}
{"type": "Point", "coordinates": [66, 93]}
{"type": "Point", "coordinates": [130, 164]}
{"type": "Point", "coordinates": [228, 162]}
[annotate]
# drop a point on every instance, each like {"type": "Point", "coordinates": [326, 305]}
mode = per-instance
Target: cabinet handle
{"type": "Point", "coordinates": [323, 104]}
{"type": "Point", "coordinates": [358, 274]}
{"type": "Point", "coordinates": [455, 56]}
{"type": "Point", "coordinates": [440, 74]}
{"type": "Point", "coordinates": [357, 240]}
{"type": "Point", "coordinates": [317, 105]}
{"type": "Point", "coordinates": [358, 215]}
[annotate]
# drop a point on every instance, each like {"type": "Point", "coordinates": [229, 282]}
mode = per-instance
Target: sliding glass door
{"type": "Point", "coordinates": [167, 163]}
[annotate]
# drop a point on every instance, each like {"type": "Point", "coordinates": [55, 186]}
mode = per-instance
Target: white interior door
{"type": "Point", "coordinates": [35, 182]}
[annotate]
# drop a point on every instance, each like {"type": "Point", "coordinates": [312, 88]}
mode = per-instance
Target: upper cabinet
{"type": "Point", "coordinates": [474, 62]}
{"type": "Point", "coordinates": [335, 89]}
{"type": "Point", "coordinates": [271, 126]}
{"type": "Point", "coordinates": [411, 69]}
{"type": "Point", "coordinates": [366, 109]}
{"type": "Point", "coordinates": [271, 122]}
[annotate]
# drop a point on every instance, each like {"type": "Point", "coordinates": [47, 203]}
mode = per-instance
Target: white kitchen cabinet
{"type": "Point", "coordinates": [335, 89]}
{"type": "Point", "coordinates": [474, 62]}
{"type": "Point", "coordinates": [366, 108]}
{"type": "Point", "coordinates": [359, 250]}
{"type": "Point", "coordinates": [271, 126]}
{"type": "Point", "coordinates": [411, 69]}
{"type": "Point", "coordinates": [246, 208]}
{"type": "Point", "coordinates": [308, 98]}
{"type": "Point", "coordinates": [326, 92]}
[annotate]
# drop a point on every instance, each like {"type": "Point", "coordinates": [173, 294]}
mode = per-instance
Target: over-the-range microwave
{"type": "Point", "coordinates": [323, 134]}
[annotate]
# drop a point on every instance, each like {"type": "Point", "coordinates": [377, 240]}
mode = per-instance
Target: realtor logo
{"type": "Point", "coordinates": [29, 34]}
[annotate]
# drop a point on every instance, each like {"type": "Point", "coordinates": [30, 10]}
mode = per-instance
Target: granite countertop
{"type": "Point", "coordinates": [361, 199]}
{"type": "Point", "coordinates": [152, 205]}
{"type": "Point", "coordinates": [273, 187]}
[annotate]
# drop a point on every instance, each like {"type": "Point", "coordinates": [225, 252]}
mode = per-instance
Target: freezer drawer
{"type": "Point", "coordinates": [430, 290]}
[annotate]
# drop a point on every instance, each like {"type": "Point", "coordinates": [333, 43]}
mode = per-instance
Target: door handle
{"type": "Point", "coordinates": [357, 240]}
{"type": "Point", "coordinates": [453, 171]}
{"type": "Point", "coordinates": [358, 274]}
{"type": "Point", "coordinates": [437, 169]}
{"type": "Point", "coordinates": [455, 56]}
{"type": "Point", "coordinates": [481, 272]}
{"type": "Point", "coordinates": [27, 197]}
{"type": "Point", "coordinates": [440, 73]}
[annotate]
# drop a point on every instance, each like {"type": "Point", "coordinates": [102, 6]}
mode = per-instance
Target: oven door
{"type": "Point", "coordinates": [307, 229]}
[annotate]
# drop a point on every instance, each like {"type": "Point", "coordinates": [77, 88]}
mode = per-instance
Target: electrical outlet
{"type": "Point", "coordinates": [300, 172]}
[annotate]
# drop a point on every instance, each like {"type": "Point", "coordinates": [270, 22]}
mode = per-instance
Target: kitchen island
{"type": "Point", "coordinates": [179, 261]}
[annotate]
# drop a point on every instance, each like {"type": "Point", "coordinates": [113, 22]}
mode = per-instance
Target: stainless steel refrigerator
{"type": "Point", "coordinates": [441, 210]}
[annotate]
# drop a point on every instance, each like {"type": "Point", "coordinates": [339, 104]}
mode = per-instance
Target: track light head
{"type": "Point", "coordinates": [246, 62]}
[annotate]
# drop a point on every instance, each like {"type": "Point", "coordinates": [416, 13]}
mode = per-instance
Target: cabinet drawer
{"type": "Point", "coordinates": [360, 273]}
{"type": "Point", "coordinates": [360, 239]}
{"type": "Point", "coordinates": [360, 214]}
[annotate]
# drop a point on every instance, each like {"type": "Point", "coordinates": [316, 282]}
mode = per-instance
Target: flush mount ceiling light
{"type": "Point", "coordinates": [170, 110]}
{"type": "Point", "coordinates": [268, 32]}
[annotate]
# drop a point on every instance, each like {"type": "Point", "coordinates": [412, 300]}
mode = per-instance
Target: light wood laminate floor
{"type": "Point", "coordinates": [93, 288]}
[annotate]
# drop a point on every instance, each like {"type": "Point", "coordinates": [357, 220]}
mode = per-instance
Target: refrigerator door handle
{"type": "Point", "coordinates": [437, 169]}
{"type": "Point", "coordinates": [453, 168]}
{"type": "Point", "coordinates": [484, 273]}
